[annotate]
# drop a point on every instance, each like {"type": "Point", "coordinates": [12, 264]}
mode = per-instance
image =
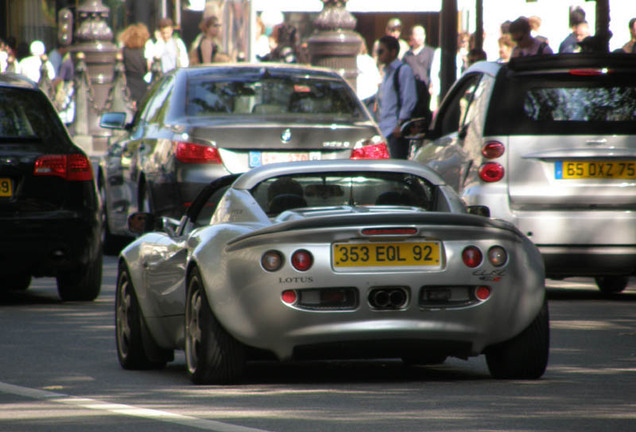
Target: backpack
{"type": "Point", "coordinates": [421, 108]}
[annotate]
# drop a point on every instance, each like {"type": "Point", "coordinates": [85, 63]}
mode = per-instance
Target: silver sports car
{"type": "Point", "coordinates": [330, 259]}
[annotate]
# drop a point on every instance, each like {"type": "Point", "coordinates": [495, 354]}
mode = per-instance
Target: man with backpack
{"type": "Point", "coordinates": [396, 96]}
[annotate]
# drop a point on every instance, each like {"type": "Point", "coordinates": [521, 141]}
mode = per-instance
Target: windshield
{"type": "Point", "coordinates": [278, 194]}
{"type": "Point", "coordinates": [273, 96]}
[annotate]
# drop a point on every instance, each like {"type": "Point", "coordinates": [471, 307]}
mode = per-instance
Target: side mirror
{"type": "Point", "coordinates": [415, 129]}
{"type": "Point", "coordinates": [113, 120]}
{"type": "Point", "coordinates": [141, 223]}
{"type": "Point", "coordinates": [479, 210]}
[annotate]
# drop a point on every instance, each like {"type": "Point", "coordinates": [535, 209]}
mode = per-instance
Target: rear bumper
{"type": "Point", "coordinates": [45, 245]}
{"type": "Point", "coordinates": [564, 261]}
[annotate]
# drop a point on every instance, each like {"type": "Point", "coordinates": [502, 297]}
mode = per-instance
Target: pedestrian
{"type": "Point", "coordinates": [31, 66]}
{"type": "Point", "coordinates": [393, 28]}
{"type": "Point", "coordinates": [368, 78]}
{"type": "Point", "coordinates": [205, 47]}
{"type": "Point", "coordinates": [630, 47]}
{"type": "Point", "coordinates": [64, 87]}
{"type": "Point", "coordinates": [395, 105]}
{"type": "Point", "coordinates": [526, 44]}
{"type": "Point", "coordinates": [133, 39]}
{"type": "Point", "coordinates": [167, 47]}
{"type": "Point", "coordinates": [420, 57]}
{"type": "Point", "coordinates": [535, 24]}
{"type": "Point", "coordinates": [476, 55]}
{"type": "Point", "coordinates": [506, 45]}
{"type": "Point", "coordinates": [569, 44]}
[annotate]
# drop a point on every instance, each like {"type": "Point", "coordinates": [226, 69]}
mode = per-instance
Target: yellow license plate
{"type": "Point", "coordinates": [6, 188]}
{"type": "Point", "coordinates": [595, 170]}
{"type": "Point", "coordinates": [402, 254]}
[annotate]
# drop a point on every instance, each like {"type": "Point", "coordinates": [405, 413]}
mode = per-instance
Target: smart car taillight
{"type": "Point", "coordinates": [302, 260]}
{"type": "Point", "coordinates": [186, 152]}
{"type": "Point", "coordinates": [472, 256]}
{"type": "Point", "coordinates": [374, 148]}
{"type": "Point", "coordinates": [73, 167]}
{"type": "Point", "coordinates": [493, 150]}
{"type": "Point", "coordinates": [491, 172]}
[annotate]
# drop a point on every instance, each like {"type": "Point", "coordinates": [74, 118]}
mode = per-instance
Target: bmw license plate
{"type": "Point", "coordinates": [595, 170]}
{"type": "Point", "coordinates": [257, 158]}
{"type": "Point", "coordinates": [6, 187]}
{"type": "Point", "coordinates": [398, 254]}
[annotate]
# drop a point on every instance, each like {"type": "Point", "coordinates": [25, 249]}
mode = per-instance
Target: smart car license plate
{"type": "Point", "coordinates": [257, 158]}
{"type": "Point", "coordinates": [401, 254]}
{"type": "Point", "coordinates": [595, 170]}
{"type": "Point", "coordinates": [6, 187]}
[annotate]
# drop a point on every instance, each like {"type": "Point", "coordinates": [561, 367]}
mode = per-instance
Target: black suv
{"type": "Point", "coordinates": [50, 222]}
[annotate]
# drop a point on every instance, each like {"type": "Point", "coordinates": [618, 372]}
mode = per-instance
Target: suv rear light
{"type": "Point", "coordinates": [73, 167]}
{"type": "Point", "coordinates": [589, 72]}
{"type": "Point", "coordinates": [491, 172]}
{"type": "Point", "coordinates": [374, 148]}
{"type": "Point", "coordinates": [186, 152]}
{"type": "Point", "coordinates": [493, 150]}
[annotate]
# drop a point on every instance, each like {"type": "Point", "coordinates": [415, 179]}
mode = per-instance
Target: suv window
{"type": "Point", "coordinates": [549, 104]}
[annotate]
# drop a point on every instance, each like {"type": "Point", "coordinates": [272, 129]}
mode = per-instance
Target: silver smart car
{"type": "Point", "coordinates": [549, 144]}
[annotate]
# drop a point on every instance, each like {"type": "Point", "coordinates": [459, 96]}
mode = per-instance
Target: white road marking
{"type": "Point", "coordinates": [121, 409]}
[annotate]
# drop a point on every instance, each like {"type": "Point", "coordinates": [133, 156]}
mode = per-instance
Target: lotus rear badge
{"type": "Point", "coordinates": [286, 136]}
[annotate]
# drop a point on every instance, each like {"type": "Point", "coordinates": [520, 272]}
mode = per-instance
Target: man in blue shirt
{"type": "Point", "coordinates": [396, 96]}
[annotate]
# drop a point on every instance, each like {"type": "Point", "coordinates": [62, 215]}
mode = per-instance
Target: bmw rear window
{"type": "Point", "coordinates": [553, 104]}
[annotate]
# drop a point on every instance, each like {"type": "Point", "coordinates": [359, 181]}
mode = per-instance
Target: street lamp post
{"type": "Point", "coordinates": [334, 44]}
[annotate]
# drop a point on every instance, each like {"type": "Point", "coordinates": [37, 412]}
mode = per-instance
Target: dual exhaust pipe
{"type": "Point", "coordinates": [388, 298]}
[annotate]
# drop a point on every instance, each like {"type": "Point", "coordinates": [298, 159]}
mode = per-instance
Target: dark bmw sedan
{"type": "Point", "coordinates": [201, 123]}
{"type": "Point", "coordinates": [50, 222]}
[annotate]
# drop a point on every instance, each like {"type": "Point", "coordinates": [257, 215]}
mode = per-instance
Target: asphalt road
{"type": "Point", "coordinates": [59, 372]}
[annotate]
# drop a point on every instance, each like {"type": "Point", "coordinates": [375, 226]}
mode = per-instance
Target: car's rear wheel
{"type": "Point", "coordinates": [132, 339]}
{"type": "Point", "coordinates": [82, 284]}
{"type": "Point", "coordinates": [424, 360]}
{"type": "Point", "coordinates": [111, 243]}
{"type": "Point", "coordinates": [213, 356]}
{"type": "Point", "coordinates": [611, 284]}
{"type": "Point", "coordinates": [526, 355]}
{"type": "Point", "coordinates": [16, 282]}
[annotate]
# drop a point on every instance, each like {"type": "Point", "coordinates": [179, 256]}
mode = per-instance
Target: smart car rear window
{"type": "Point", "coordinates": [563, 104]}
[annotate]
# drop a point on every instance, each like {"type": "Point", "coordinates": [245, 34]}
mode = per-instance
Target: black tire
{"type": "Point", "coordinates": [526, 355]}
{"type": "Point", "coordinates": [431, 359]}
{"type": "Point", "coordinates": [111, 243]}
{"type": "Point", "coordinates": [611, 284]}
{"type": "Point", "coordinates": [83, 284]}
{"type": "Point", "coordinates": [130, 335]}
{"type": "Point", "coordinates": [213, 356]}
{"type": "Point", "coordinates": [16, 282]}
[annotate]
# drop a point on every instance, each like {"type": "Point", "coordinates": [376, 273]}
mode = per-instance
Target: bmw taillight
{"type": "Point", "coordinates": [491, 172]}
{"type": "Point", "coordinates": [186, 152]}
{"type": "Point", "coordinates": [73, 167]}
{"type": "Point", "coordinates": [374, 148]}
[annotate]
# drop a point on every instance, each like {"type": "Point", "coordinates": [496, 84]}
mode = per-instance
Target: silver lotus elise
{"type": "Point", "coordinates": [330, 260]}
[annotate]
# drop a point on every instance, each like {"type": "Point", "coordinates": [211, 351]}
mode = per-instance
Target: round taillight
{"type": "Point", "coordinates": [493, 150]}
{"type": "Point", "coordinates": [302, 260]}
{"type": "Point", "coordinates": [272, 260]}
{"type": "Point", "coordinates": [491, 172]}
{"type": "Point", "coordinates": [289, 296]}
{"type": "Point", "coordinates": [497, 256]}
{"type": "Point", "coordinates": [472, 256]}
{"type": "Point", "coordinates": [482, 292]}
